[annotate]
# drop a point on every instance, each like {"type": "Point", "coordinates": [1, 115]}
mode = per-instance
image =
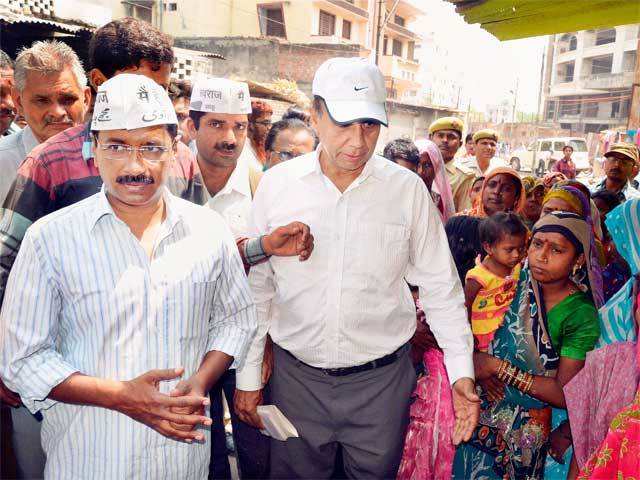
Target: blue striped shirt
{"type": "Point", "coordinates": [84, 297]}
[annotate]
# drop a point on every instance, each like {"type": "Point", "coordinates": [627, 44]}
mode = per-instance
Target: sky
{"type": "Point", "coordinates": [488, 68]}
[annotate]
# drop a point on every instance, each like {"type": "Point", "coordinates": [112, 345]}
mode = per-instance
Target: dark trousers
{"type": "Point", "coordinates": [363, 415]}
{"type": "Point", "coordinates": [252, 447]}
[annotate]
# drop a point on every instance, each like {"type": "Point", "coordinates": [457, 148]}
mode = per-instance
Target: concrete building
{"type": "Point", "coordinates": [439, 75]}
{"type": "Point", "coordinates": [322, 25]}
{"type": "Point", "coordinates": [588, 78]}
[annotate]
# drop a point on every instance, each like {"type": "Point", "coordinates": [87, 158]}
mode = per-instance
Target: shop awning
{"type": "Point", "coordinates": [511, 19]}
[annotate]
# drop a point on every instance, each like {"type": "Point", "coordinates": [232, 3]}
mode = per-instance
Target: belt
{"type": "Point", "coordinates": [341, 372]}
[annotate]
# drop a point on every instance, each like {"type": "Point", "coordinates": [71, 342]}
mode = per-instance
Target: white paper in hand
{"type": "Point", "coordinates": [276, 425]}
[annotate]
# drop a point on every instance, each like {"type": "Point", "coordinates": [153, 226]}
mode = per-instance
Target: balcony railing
{"type": "Point", "coordinates": [402, 31]}
{"type": "Point", "coordinates": [350, 7]}
{"type": "Point", "coordinates": [606, 81]}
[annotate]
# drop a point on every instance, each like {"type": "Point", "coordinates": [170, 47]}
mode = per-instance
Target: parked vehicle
{"type": "Point", "coordinates": [540, 156]}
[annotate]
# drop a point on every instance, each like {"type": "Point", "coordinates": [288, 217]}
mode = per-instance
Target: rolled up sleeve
{"type": "Point", "coordinates": [31, 365]}
{"type": "Point", "coordinates": [432, 269]}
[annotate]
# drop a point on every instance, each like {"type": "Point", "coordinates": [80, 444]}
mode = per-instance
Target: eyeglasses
{"type": "Point", "coordinates": [284, 156]}
{"type": "Point", "coordinates": [627, 162]}
{"type": "Point", "coordinates": [120, 151]}
{"type": "Point", "coordinates": [265, 123]}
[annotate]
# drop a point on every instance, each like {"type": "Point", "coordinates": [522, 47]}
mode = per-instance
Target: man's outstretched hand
{"type": "Point", "coordinates": [291, 240]}
{"type": "Point", "coordinates": [466, 406]}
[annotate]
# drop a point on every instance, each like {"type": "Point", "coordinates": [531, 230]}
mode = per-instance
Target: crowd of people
{"type": "Point", "coordinates": [426, 313]}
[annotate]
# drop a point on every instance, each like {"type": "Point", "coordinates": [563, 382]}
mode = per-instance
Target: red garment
{"type": "Point", "coordinates": [568, 170]}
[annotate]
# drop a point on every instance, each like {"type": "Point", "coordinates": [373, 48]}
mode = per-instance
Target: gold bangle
{"type": "Point", "coordinates": [501, 370]}
{"type": "Point", "coordinates": [529, 384]}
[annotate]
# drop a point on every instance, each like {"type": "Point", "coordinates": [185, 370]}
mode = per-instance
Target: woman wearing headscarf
{"type": "Point", "coordinates": [534, 190]}
{"type": "Point", "coordinates": [603, 400]}
{"type": "Point", "coordinates": [431, 170]}
{"type": "Point", "coordinates": [550, 326]}
{"type": "Point", "coordinates": [502, 191]}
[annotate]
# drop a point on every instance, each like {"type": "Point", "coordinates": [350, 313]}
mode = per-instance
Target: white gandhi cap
{"type": "Point", "coordinates": [220, 95]}
{"type": "Point", "coordinates": [353, 90]}
{"type": "Point", "coordinates": [129, 101]}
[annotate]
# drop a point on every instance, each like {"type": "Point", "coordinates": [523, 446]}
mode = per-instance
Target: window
{"type": "Point", "coordinates": [602, 64]}
{"type": "Point", "coordinates": [411, 51]}
{"type": "Point", "coordinates": [346, 29]}
{"type": "Point", "coordinates": [573, 43]}
{"type": "Point", "coordinates": [615, 108]}
{"type": "Point", "coordinates": [272, 21]}
{"type": "Point", "coordinates": [188, 62]}
{"type": "Point", "coordinates": [606, 36]}
{"type": "Point", "coordinates": [397, 47]}
{"type": "Point", "coordinates": [545, 146]}
{"type": "Point", "coordinates": [385, 45]}
{"type": "Point", "coordinates": [570, 108]}
{"type": "Point", "coordinates": [591, 109]}
{"type": "Point", "coordinates": [398, 20]}
{"type": "Point", "coordinates": [327, 24]}
{"type": "Point", "coordinates": [551, 109]}
{"type": "Point", "coordinates": [140, 11]}
{"type": "Point", "coordinates": [171, 7]}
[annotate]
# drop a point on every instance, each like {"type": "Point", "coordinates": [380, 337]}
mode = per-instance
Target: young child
{"type": "Point", "coordinates": [491, 285]}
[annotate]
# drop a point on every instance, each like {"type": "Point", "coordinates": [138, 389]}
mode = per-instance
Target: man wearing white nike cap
{"type": "Point", "coordinates": [123, 309]}
{"type": "Point", "coordinates": [341, 323]}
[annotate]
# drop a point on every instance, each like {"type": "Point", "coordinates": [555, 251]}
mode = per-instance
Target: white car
{"type": "Point", "coordinates": [542, 154]}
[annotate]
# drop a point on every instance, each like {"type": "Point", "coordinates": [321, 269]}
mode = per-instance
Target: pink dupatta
{"type": "Point", "coordinates": [441, 182]}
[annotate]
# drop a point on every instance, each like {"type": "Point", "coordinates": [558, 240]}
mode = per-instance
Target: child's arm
{"type": "Point", "coordinates": [471, 289]}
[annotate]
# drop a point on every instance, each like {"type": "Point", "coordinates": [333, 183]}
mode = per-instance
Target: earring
{"type": "Point", "coordinates": [576, 269]}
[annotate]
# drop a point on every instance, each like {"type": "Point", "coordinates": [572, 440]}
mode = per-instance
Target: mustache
{"type": "Point", "coordinates": [51, 121]}
{"type": "Point", "coordinates": [141, 178]}
{"type": "Point", "coordinates": [229, 147]}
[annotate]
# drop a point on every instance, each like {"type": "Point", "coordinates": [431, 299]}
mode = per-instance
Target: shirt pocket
{"type": "Point", "coordinates": [381, 249]}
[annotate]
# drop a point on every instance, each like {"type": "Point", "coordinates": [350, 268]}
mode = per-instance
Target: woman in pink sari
{"type": "Point", "coordinates": [431, 170]}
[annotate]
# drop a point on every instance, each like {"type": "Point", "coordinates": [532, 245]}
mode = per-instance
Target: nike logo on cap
{"type": "Point", "coordinates": [358, 89]}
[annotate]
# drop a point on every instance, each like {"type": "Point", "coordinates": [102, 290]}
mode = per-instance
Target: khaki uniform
{"type": "Point", "coordinates": [461, 179]}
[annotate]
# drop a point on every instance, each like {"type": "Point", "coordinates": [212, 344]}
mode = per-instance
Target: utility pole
{"type": "Point", "coordinates": [379, 30]}
{"type": "Point", "coordinates": [515, 101]}
{"type": "Point", "coordinates": [634, 111]}
{"type": "Point", "coordinates": [544, 54]}
{"type": "Point", "coordinates": [160, 14]}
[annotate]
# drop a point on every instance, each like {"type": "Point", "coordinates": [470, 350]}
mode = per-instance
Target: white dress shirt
{"type": "Point", "coordinates": [233, 202]}
{"type": "Point", "coordinates": [84, 297]}
{"type": "Point", "coordinates": [350, 303]}
{"type": "Point", "coordinates": [13, 150]}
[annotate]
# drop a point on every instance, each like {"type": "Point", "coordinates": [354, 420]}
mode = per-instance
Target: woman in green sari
{"type": "Point", "coordinates": [542, 344]}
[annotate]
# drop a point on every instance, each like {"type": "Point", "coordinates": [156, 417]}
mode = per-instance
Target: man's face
{"type": "Point", "coordinates": [448, 141]}
{"type": "Point", "coordinates": [220, 138]}
{"type": "Point", "coordinates": [259, 128]}
{"type": "Point", "coordinates": [470, 147]}
{"type": "Point", "coordinates": [7, 106]}
{"type": "Point", "coordinates": [486, 148]}
{"type": "Point", "coordinates": [290, 144]}
{"type": "Point", "coordinates": [161, 74]}
{"type": "Point", "coordinates": [618, 167]}
{"type": "Point", "coordinates": [567, 151]}
{"type": "Point", "coordinates": [181, 106]}
{"type": "Point", "coordinates": [134, 178]}
{"type": "Point", "coordinates": [52, 103]}
{"type": "Point", "coordinates": [346, 148]}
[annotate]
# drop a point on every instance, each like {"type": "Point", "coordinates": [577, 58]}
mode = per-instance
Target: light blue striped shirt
{"type": "Point", "coordinates": [84, 297]}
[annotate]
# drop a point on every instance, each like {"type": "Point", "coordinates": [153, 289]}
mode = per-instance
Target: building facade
{"type": "Point", "coordinates": [588, 78]}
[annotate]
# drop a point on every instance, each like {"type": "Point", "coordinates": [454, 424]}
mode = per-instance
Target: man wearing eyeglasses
{"type": "Point", "coordinates": [619, 166]}
{"type": "Point", "coordinates": [288, 139]}
{"type": "Point", "coordinates": [258, 128]}
{"type": "Point", "coordinates": [122, 310]}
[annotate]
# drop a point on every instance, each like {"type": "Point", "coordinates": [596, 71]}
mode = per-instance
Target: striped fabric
{"type": "Point", "coordinates": [61, 172]}
{"type": "Point", "coordinates": [616, 316]}
{"type": "Point", "coordinates": [83, 296]}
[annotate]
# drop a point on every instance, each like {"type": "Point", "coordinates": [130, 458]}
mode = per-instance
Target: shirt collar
{"type": "Point", "coordinates": [375, 167]}
{"type": "Point", "coordinates": [239, 179]}
{"type": "Point", "coordinates": [103, 208]}
{"type": "Point", "coordinates": [29, 140]}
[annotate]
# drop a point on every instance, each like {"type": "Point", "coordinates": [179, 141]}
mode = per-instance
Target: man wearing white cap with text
{"type": "Point", "coordinates": [123, 309]}
{"type": "Point", "coordinates": [341, 322]}
{"type": "Point", "coordinates": [218, 122]}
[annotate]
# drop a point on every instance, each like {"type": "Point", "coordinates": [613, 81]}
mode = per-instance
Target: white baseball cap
{"type": "Point", "coordinates": [129, 101]}
{"type": "Point", "coordinates": [220, 95]}
{"type": "Point", "coordinates": [353, 90]}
